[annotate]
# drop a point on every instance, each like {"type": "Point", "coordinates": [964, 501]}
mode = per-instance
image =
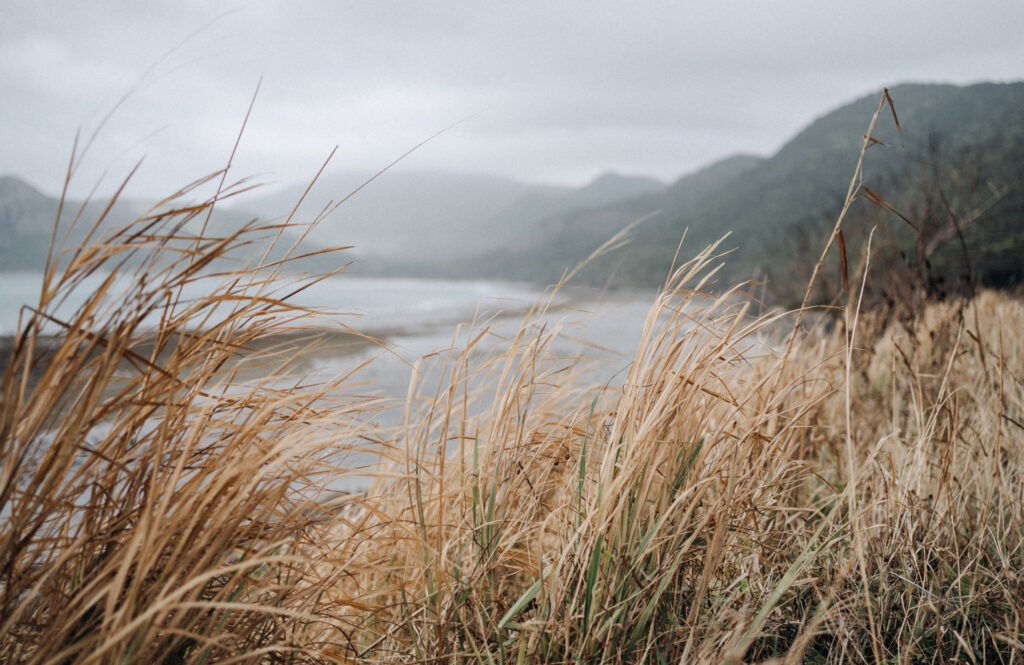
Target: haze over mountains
{"type": "Point", "coordinates": [403, 215]}
{"type": "Point", "coordinates": [27, 222]}
{"type": "Point", "coordinates": [408, 223]}
{"type": "Point", "coordinates": [766, 203]}
{"type": "Point", "coordinates": [393, 222]}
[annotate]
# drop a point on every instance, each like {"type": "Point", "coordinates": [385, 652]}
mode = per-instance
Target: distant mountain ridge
{"type": "Point", "coordinates": [405, 216]}
{"type": "Point", "coordinates": [761, 200]}
{"type": "Point", "coordinates": [409, 223]}
{"type": "Point", "coordinates": [399, 220]}
{"type": "Point", "coordinates": [27, 222]}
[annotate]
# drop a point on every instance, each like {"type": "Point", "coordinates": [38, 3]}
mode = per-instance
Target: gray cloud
{"type": "Point", "coordinates": [556, 90]}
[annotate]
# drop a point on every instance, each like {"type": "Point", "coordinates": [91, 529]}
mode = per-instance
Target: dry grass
{"type": "Point", "coordinates": [699, 514]}
{"type": "Point", "coordinates": [155, 510]}
{"type": "Point", "coordinates": [744, 495]}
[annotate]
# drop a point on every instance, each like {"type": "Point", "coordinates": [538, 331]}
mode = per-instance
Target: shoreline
{"type": "Point", "coordinates": [277, 353]}
{"type": "Point", "coordinates": [293, 352]}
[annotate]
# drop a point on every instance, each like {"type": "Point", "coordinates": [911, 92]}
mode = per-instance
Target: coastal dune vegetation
{"type": "Point", "coordinates": [822, 485]}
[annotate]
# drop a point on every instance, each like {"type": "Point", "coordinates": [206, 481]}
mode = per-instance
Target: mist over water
{"type": "Point", "coordinates": [597, 338]}
{"type": "Point", "coordinates": [374, 306]}
{"type": "Point", "coordinates": [413, 318]}
{"type": "Point", "coordinates": [424, 324]}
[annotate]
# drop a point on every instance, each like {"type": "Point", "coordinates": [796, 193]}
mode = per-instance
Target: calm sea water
{"type": "Point", "coordinates": [418, 315]}
{"type": "Point", "coordinates": [420, 321]}
{"type": "Point", "coordinates": [369, 304]}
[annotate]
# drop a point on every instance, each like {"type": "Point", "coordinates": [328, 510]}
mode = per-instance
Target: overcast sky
{"type": "Point", "coordinates": [541, 91]}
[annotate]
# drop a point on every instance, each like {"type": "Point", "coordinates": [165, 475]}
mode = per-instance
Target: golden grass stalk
{"type": "Point", "coordinates": [154, 511]}
{"type": "Point", "coordinates": [696, 513]}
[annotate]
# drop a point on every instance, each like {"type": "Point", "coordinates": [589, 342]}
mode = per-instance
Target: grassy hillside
{"type": "Point", "coordinates": [777, 206]}
{"type": "Point", "coordinates": [564, 240]}
{"type": "Point", "coordinates": [958, 171]}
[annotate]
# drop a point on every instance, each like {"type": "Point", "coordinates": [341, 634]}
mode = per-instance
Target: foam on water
{"type": "Point", "coordinates": [372, 304]}
{"type": "Point", "coordinates": [418, 318]}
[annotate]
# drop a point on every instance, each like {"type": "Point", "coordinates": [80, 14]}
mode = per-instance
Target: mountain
{"type": "Point", "coordinates": [564, 239]}
{"type": "Point", "coordinates": [399, 223]}
{"type": "Point", "coordinates": [27, 222]}
{"type": "Point", "coordinates": [427, 218]}
{"type": "Point", "coordinates": [609, 187]}
{"type": "Point", "coordinates": [780, 208]}
{"type": "Point", "coordinates": [954, 170]}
